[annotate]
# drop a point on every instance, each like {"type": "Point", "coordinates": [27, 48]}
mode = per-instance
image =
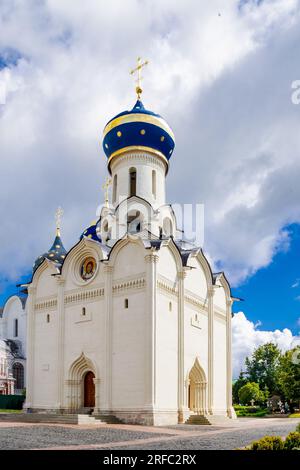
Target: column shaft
{"type": "Point", "coordinates": [30, 347]}
{"type": "Point", "coordinates": [60, 342]}
{"type": "Point", "coordinates": [210, 295]}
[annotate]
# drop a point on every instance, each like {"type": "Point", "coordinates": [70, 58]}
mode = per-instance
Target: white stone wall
{"type": "Point", "coordinates": [144, 162]}
{"type": "Point", "coordinates": [140, 358]}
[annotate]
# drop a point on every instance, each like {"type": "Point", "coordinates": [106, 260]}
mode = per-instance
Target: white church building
{"type": "Point", "coordinates": [13, 346]}
{"type": "Point", "coordinates": [131, 322]}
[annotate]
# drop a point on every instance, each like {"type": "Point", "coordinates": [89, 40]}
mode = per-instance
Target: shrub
{"type": "Point", "coordinates": [292, 441]}
{"type": "Point", "coordinates": [268, 443]}
{"type": "Point", "coordinates": [12, 402]}
{"type": "Point", "coordinates": [254, 411]}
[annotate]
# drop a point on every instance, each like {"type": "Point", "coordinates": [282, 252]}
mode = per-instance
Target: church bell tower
{"type": "Point", "coordinates": [138, 145]}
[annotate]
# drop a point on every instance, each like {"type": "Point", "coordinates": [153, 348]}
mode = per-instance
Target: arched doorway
{"type": "Point", "coordinates": [197, 396]}
{"type": "Point", "coordinates": [89, 390]}
{"type": "Point", "coordinates": [83, 385]}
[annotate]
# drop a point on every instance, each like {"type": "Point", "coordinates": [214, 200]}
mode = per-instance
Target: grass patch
{"type": "Point", "coordinates": [294, 415]}
{"type": "Point", "coordinates": [10, 411]}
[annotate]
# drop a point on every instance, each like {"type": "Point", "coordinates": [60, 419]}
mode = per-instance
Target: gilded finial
{"type": "Point", "coordinates": [58, 215]}
{"type": "Point", "coordinates": [137, 70]}
{"type": "Point", "coordinates": [105, 187]}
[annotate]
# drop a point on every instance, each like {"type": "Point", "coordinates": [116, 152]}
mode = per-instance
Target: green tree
{"type": "Point", "coordinates": [238, 384]}
{"type": "Point", "coordinates": [289, 375]}
{"type": "Point", "coordinates": [251, 391]}
{"type": "Point", "coordinates": [263, 367]}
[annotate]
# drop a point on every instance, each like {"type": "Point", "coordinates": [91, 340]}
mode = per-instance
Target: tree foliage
{"type": "Point", "coordinates": [251, 391]}
{"type": "Point", "coordinates": [263, 367]}
{"type": "Point", "coordinates": [238, 384]}
{"type": "Point", "coordinates": [269, 372]}
{"type": "Point", "coordinates": [289, 374]}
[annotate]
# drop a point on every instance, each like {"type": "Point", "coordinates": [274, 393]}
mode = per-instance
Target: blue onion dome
{"type": "Point", "coordinates": [57, 253]}
{"type": "Point", "coordinates": [138, 128]}
{"type": "Point", "coordinates": [93, 232]}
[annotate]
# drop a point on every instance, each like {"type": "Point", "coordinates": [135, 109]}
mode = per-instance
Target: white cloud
{"type": "Point", "coordinates": [246, 337]}
{"type": "Point", "coordinates": [296, 284]}
{"type": "Point", "coordinates": [222, 82]}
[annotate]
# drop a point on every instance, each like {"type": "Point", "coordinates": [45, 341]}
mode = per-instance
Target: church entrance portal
{"type": "Point", "coordinates": [89, 390]}
{"type": "Point", "coordinates": [197, 399]}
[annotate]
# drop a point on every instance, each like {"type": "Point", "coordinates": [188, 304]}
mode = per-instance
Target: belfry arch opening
{"type": "Point", "coordinates": [115, 186]}
{"type": "Point", "coordinates": [134, 221]}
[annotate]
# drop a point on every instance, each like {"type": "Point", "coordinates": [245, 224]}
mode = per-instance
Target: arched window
{"type": "Point", "coordinates": [154, 183]}
{"type": "Point", "coordinates": [132, 182]}
{"type": "Point", "coordinates": [115, 188]}
{"type": "Point", "coordinates": [18, 374]}
{"type": "Point", "coordinates": [16, 328]}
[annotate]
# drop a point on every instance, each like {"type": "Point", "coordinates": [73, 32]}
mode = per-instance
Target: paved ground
{"type": "Point", "coordinates": [236, 434]}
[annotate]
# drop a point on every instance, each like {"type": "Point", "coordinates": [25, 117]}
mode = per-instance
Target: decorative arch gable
{"type": "Point", "coordinates": [222, 292]}
{"type": "Point", "coordinates": [127, 256]}
{"type": "Point", "coordinates": [197, 373]}
{"type": "Point", "coordinates": [14, 299]}
{"type": "Point", "coordinates": [85, 244]}
{"type": "Point", "coordinates": [80, 366]}
{"type": "Point", "coordinates": [169, 261]}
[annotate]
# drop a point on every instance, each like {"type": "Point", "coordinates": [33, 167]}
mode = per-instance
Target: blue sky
{"type": "Point", "coordinates": [270, 296]}
{"type": "Point", "coordinates": [220, 73]}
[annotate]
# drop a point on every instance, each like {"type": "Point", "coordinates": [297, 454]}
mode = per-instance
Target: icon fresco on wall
{"type": "Point", "coordinates": [88, 268]}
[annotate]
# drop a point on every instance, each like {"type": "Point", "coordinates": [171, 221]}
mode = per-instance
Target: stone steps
{"type": "Point", "coordinates": [110, 419]}
{"type": "Point", "coordinates": [197, 419]}
{"type": "Point", "coordinates": [214, 420]}
{"type": "Point", "coordinates": [88, 419]}
{"type": "Point", "coordinates": [39, 418]}
{"type": "Point", "coordinates": [81, 419]}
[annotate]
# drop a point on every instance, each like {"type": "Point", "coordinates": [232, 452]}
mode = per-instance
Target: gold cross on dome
{"type": "Point", "coordinates": [137, 70]}
{"type": "Point", "coordinates": [58, 215]}
{"type": "Point", "coordinates": [106, 189]}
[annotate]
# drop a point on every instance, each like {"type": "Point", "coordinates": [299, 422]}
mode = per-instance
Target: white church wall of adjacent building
{"type": "Point", "coordinates": [14, 310]}
{"type": "Point", "coordinates": [13, 328]}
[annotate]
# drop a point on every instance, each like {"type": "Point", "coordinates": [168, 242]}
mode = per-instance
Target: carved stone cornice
{"type": "Point", "coordinates": [84, 295]}
{"type": "Point", "coordinates": [47, 304]}
{"type": "Point", "coordinates": [108, 269]}
{"type": "Point", "coordinates": [138, 283]}
{"type": "Point", "coordinates": [151, 258]}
